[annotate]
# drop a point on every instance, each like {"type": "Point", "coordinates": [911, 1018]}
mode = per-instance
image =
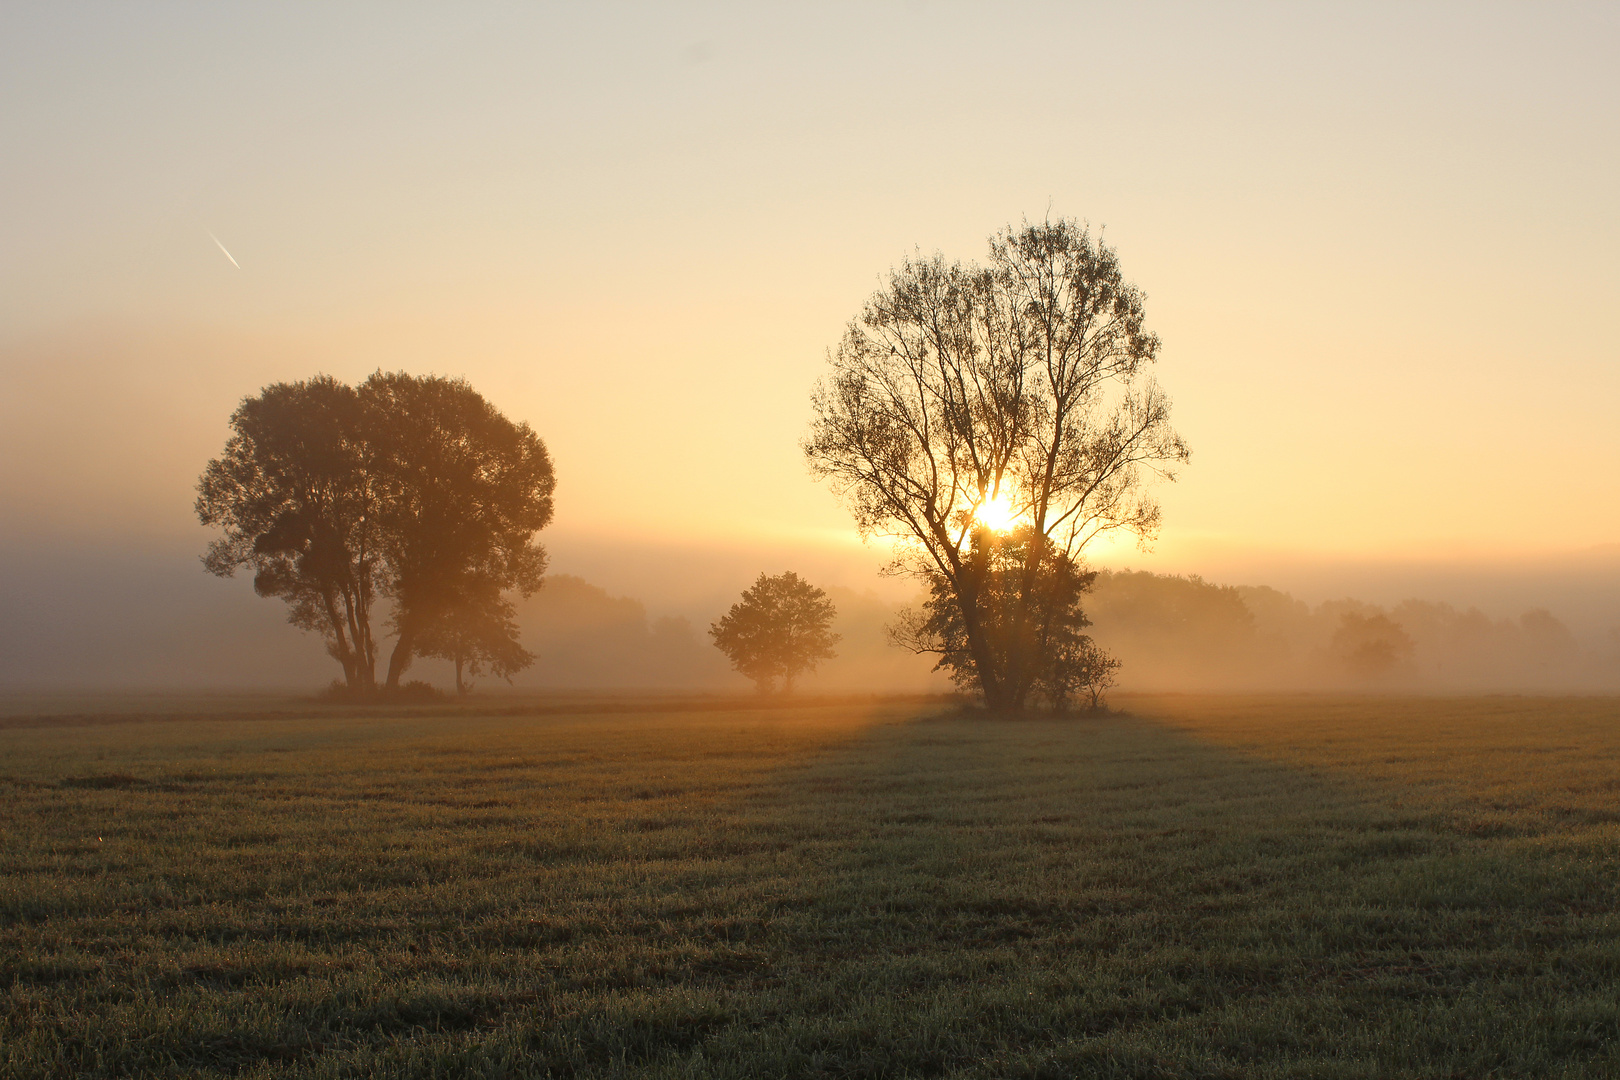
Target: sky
{"type": "Point", "coordinates": [1378, 242]}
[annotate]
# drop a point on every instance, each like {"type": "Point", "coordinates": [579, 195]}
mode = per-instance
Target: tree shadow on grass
{"type": "Point", "coordinates": [1111, 896]}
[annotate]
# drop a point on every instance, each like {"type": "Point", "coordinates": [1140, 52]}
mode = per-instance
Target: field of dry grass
{"type": "Point", "coordinates": [1204, 887]}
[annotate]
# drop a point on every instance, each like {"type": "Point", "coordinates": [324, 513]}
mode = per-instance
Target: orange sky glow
{"type": "Point", "coordinates": [1378, 242]}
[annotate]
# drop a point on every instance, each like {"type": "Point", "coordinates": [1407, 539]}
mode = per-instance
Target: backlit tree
{"type": "Point", "coordinates": [1009, 396]}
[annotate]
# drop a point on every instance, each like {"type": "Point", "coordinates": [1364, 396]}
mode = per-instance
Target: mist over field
{"type": "Point", "coordinates": [728, 540]}
{"type": "Point", "coordinates": [1375, 243]}
{"type": "Point", "coordinates": [614, 616]}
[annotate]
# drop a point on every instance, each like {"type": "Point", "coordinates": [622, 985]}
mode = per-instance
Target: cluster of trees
{"type": "Point", "coordinates": [1178, 628]}
{"type": "Point", "coordinates": [1184, 633]}
{"type": "Point", "coordinates": [993, 420]}
{"type": "Point", "coordinates": [411, 489]}
{"type": "Point", "coordinates": [1369, 646]}
{"type": "Point", "coordinates": [583, 636]}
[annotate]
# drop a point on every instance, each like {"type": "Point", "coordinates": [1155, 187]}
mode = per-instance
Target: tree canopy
{"type": "Point", "coordinates": [781, 628]}
{"type": "Point", "coordinates": [1044, 622]}
{"type": "Point", "coordinates": [1012, 397]}
{"type": "Point", "coordinates": [296, 495]}
{"type": "Point", "coordinates": [412, 488]}
{"type": "Point", "coordinates": [476, 631]}
{"type": "Point", "coordinates": [465, 491]}
{"type": "Point", "coordinates": [1370, 645]}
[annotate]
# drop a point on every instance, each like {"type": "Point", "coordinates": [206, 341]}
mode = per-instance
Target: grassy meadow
{"type": "Point", "coordinates": [1198, 887]}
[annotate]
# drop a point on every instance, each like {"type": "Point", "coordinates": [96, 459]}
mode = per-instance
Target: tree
{"type": "Point", "coordinates": [1045, 636]}
{"type": "Point", "coordinates": [464, 493]}
{"type": "Point", "coordinates": [1079, 668]}
{"type": "Point", "coordinates": [476, 632]}
{"type": "Point", "coordinates": [413, 488]}
{"type": "Point", "coordinates": [1370, 645]}
{"type": "Point", "coordinates": [779, 629]}
{"type": "Point", "coordinates": [296, 494]}
{"type": "Point", "coordinates": [1012, 396]}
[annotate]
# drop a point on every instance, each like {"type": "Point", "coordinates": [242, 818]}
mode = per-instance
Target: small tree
{"type": "Point", "coordinates": [779, 629]}
{"type": "Point", "coordinates": [1080, 669]}
{"type": "Point", "coordinates": [477, 632]}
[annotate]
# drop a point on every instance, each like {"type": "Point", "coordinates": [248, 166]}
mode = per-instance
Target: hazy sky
{"type": "Point", "coordinates": [1379, 243]}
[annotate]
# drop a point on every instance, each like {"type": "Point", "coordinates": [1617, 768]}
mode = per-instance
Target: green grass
{"type": "Point", "coordinates": [1210, 887]}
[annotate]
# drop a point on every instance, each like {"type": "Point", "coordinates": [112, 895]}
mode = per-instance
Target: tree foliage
{"type": "Point", "coordinates": [465, 491]}
{"type": "Point", "coordinates": [295, 493]}
{"type": "Point", "coordinates": [781, 628]}
{"type": "Point", "coordinates": [412, 488]}
{"type": "Point", "coordinates": [1370, 645]}
{"type": "Point", "coordinates": [1021, 383]}
{"type": "Point", "coordinates": [477, 632]}
{"type": "Point", "coordinates": [1036, 628]}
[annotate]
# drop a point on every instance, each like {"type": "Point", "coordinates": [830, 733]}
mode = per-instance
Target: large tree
{"type": "Point", "coordinates": [465, 491]}
{"type": "Point", "coordinates": [781, 628]}
{"type": "Point", "coordinates": [413, 488]}
{"type": "Point", "coordinates": [296, 494]}
{"type": "Point", "coordinates": [1009, 396]}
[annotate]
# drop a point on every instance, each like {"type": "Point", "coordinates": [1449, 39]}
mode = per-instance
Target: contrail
{"type": "Point", "coordinates": [228, 255]}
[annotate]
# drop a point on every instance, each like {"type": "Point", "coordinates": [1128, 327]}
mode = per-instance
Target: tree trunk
{"type": "Point", "coordinates": [460, 688]}
{"type": "Point", "coordinates": [992, 682]}
{"type": "Point", "coordinates": [400, 658]}
{"type": "Point", "coordinates": [365, 652]}
{"type": "Point", "coordinates": [351, 673]}
{"type": "Point", "coordinates": [338, 645]}
{"type": "Point", "coordinates": [356, 681]}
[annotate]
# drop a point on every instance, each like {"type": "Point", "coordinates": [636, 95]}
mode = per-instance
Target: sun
{"type": "Point", "coordinates": [997, 514]}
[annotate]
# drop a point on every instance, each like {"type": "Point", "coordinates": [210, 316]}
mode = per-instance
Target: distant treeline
{"type": "Point", "coordinates": [1170, 632]}
{"type": "Point", "coordinates": [1185, 633]}
{"type": "Point", "coordinates": [159, 624]}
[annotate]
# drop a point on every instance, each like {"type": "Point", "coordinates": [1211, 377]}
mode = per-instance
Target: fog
{"type": "Point", "coordinates": [1184, 633]}
{"type": "Point", "coordinates": [1377, 242]}
{"type": "Point", "coordinates": [146, 617]}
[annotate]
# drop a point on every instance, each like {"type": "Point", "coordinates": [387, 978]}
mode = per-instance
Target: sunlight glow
{"type": "Point", "coordinates": [997, 514]}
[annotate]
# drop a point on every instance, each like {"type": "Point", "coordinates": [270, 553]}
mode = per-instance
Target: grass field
{"type": "Point", "coordinates": [1205, 887]}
